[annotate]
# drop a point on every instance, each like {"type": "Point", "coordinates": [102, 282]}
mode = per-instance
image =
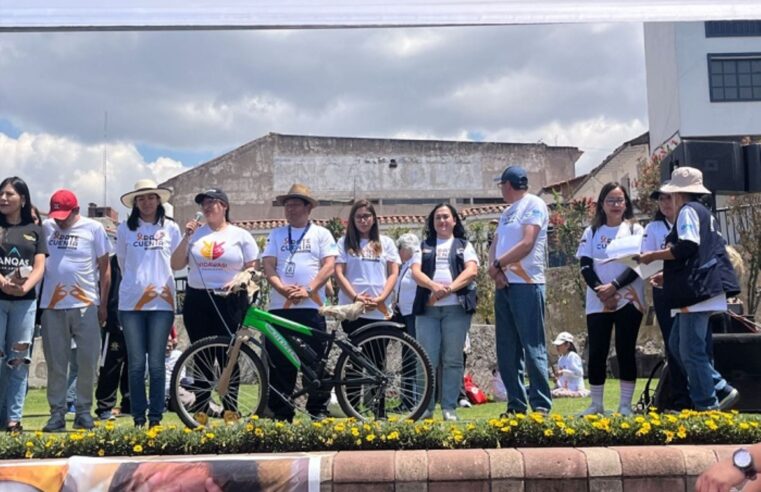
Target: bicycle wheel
{"type": "Point", "coordinates": [391, 375]}
{"type": "Point", "coordinates": [195, 392]}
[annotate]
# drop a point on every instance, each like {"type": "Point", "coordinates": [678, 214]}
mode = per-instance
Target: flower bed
{"type": "Point", "coordinates": [259, 435]}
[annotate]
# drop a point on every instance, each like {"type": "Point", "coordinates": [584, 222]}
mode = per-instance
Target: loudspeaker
{"type": "Point", "coordinates": [737, 357]}
{"type": "Point", "coordinates": [722, 163]}
{"type": "Point", "coordinates": [752, 167]}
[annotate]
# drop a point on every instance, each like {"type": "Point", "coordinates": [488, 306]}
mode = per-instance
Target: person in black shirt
{"type": "Point", "coordinates": [22, 263]}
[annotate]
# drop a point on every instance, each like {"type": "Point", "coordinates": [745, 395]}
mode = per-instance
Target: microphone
{"type": "Point", "coordinates": [199, 216]}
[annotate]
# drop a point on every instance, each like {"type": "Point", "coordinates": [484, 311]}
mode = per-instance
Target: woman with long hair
{"type": "Point", "coordinates": [615, 296]}
{"type": "Point", "coordinates": [445, 270]}
{"type": "Point", "coordinates": [22, 264]}
{"type": "Point", "coordinates": [367, 266]}
{"type": "Point", "coordinates": [144, 246]}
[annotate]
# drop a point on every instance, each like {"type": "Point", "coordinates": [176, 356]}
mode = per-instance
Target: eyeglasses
{"type": "Point", "coordinates": [615, 201]}
{"type": "Point", "coordinates": [363, 216]}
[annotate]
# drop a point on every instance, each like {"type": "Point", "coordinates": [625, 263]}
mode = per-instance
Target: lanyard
{"type": "Point", "coordinates": [293, 247]}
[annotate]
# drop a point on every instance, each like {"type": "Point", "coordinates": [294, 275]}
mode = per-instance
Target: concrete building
{"type": "Point", "coordinates": [703, 80]}
{"type": "Point", "coordinates": [404, 177]}
{"type": "Point", "coordinates": [622, 165]}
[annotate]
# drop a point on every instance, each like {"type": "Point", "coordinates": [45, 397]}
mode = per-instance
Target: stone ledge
{"type": "Point", "coordinates": [630, 468]}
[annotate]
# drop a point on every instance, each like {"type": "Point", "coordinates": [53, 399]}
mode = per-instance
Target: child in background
{"type": "Point", "coordinates": [570, 373]}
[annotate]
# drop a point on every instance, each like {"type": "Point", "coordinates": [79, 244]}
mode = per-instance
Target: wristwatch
{"type": "Point", "coordinates": [743, 461]}
{"type": "Point", "coordinates": [496, 264]}
{"type": "Point", "coordinates": [309, 290]}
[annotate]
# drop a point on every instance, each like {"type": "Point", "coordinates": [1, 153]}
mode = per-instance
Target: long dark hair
{"type": "Point", "coordinates": [430, 230]}
{"type": "Point", "coordinates": [351, 242]}
{"type": "Point", "coordinates": [134, 216]}
{"type": "Point", "coordinates": [599, 219]}
{"type": "Point", "coordinates": [22, 189]}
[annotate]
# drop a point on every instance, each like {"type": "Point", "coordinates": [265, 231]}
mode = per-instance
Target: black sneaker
{"type": "Point", "coordinates": [56, 423]}
{"type": "Point", "coordinates": [83, 421]}
{"type": "Point", "coordinates": [154, 423]}
{"type": "Point", "coordinates": [728, 397]}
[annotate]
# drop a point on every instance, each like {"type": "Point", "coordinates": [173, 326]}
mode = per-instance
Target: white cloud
{"type": "Point", "coordinates": [48, 162]}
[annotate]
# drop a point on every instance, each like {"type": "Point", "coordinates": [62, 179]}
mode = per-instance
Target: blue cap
{"type": "Point", "coordinates": [516, 176]}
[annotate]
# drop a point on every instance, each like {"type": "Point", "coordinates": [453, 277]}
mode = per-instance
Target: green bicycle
{"type": "Point", "coordinates": [380, 371]}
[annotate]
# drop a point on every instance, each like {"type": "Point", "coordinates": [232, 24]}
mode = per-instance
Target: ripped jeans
{"type": "Point", "coordinates": [16, 331]}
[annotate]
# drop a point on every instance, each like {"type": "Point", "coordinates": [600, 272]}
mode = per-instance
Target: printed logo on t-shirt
{"type": "Point", "coordinates": [604, 242]}
{"type": "Point", "coordinates": [150, 241]}
{"type": "Point", "coordinates": [687, 226]}
{"type": "Point", "coordinates": [151, 292]}
{"type": "Point", "coordinates": [305, 246]}
{"type": "Point", "coordinates": [212, 249]}
{"type": "Point", "coordinates": [30, 237]}
{"type": "Point", "coordinates": [59, 240]}
{"type": "Point", "coordinates": [15, 260]}
{"type": "Point", "coordinates": [77, 292]}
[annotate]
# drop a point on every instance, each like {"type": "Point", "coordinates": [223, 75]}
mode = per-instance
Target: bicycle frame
{"type": "Point", "coordinates": [268, 324]}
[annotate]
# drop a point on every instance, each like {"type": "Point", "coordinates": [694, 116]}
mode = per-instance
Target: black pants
{"type": "Point", "coordinates": [207, 315]}
{"type": "Point", "coordinates": [600, 327]}
{"type": "Point", "coordinates": [282, 374]}
{"type": "Point", "coordinates": [680, 396]}
{"type": "Point", "coordinates": [113, 374]}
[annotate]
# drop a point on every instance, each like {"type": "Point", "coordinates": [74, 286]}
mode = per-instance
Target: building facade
{"type": "Point", "coordinates": [403, 177]}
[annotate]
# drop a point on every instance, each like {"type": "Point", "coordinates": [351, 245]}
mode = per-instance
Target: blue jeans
{"type": "Point", "coordinates": [690, 343]}
{"type": "Point", "coordinates": [16, 330]}
{"type": "Point", "coordinates": [146, 332]}
{"type": "Point", "coordinates": [441, 330]}
{"type": "Point", "coordinates": [521, 345]}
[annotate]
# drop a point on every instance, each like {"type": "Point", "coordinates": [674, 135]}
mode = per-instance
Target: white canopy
{"type": "Point", "coordinates": [262, 14]}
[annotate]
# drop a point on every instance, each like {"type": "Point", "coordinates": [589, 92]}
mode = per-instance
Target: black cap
{"type": "Point", "coordinates": [516, 176]}
{"type": "Point", "coordinates": [215, 193]}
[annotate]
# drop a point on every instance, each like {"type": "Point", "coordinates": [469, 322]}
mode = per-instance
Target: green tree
{"type": "Point", "coordinates": [336, 226]}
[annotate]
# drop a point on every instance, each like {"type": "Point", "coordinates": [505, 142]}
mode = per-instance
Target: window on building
{"type": "Point", "coordinates": [732, 29]}
{"type": "Point", "coordinates": [735, 77]}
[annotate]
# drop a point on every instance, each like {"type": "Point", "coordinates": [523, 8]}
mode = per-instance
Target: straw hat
{"type": "Point", "coordinates": [685, 180]}
{"type": "Point", "coordinates": [145, 187]}
{"type": "Point", "coordinates": [297, 190]}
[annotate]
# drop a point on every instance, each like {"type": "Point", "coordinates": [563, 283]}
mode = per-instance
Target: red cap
{"type": "Point", "coordinates": [61, 204]}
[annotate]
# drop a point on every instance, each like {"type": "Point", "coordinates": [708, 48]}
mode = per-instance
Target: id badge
{"type": "Point", "coordinates": [290, 269]}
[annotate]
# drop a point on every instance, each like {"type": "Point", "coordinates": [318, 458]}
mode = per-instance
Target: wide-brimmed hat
{"type": "Point", "coordinates": [685, 180]}
{"type": "Point", "coordinates": [145, 187]}
{"type": "Point", "coordinates": [562, 338]}
{"type": "Point", "coordinates": [298, 190]}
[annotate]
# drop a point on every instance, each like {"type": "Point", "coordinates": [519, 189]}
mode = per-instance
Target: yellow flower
{"type": "Point", "coordinates": [744, 426]}
{"type": "Point", "coordinates": [279, 425]}
{"type": "Point", "coordinates": [186, 430]}
{"type": "Point", "coordinates": [249, 427]}
{"type": "Point", "coordinates": [354, 431]}
{"type": "Point", "coordinates": [471, 426]}
{"type": "Point", "coordinates": [669, 436]}
{"type": "Point", "coordinates": [370, 437]}
{"type": "Point", "coordinates": [339, 427]}
{"type": "Point", "coordinates": [38, 434]}
{"type": "Point", "coordinates": [101, 452]}
{"type": "Point", "coordinates": [28, 454]}
{"type": "Point", "coordinates": [548, 433]}
{"type": "Point", "coordinates": [29, 444]}
{"type": "Point", "coordinates": [358, 442]}
{"type": "Point", "coordinates": [211, 435]}
{"type": "Point", "coordinates": [625, 425]}
{"type": "Point", "coordinates": [681, 432]}
{"type": "Point", "coordinates": [514, 423]}
{"type": "Point", "coordinates": [393, 436]}
{"type": "Point", "coordinates": [570, 431]}
{"type": "Point", "coordinates": [259, 432]}
{"type": "Point", "coordinates": [137, 448]}
{"type": "Point", "coordinates": [711, 424]}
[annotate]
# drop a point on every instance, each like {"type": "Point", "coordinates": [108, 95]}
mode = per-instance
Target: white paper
{"type": "Point", "coordinates": [626, 250]}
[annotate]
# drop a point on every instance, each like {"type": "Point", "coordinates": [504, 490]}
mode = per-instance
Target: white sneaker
{"type": "Point", "coordinates": [625, 410]}
{"type": "Point", "coordinates": [449, 415]}
{"type": "Point", "coordinates": [593, 410]}
{"type": "Point", "coordinates": [464, 403]}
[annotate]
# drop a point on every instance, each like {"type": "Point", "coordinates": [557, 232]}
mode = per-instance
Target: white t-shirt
{"type": "Point", "coordinates": [71, 269]}
{"type": "Point", "coordinates": [144, 257]}
{"type": "Point", "coordinates": [529, 210]}
{"type": "Point", "coordinates": [368, 272]}
{"type": "Point", "coordinates": [310, 246]}
{"type": "Point", "coordinates": [654, 238]}
{"type": "Point", "coordinates": [574, 381]}
{"type": "Point", "coordinates": [170, 360]}
{"type": "Point", "coordinates": [688, 229]}
{"type": "Point", "coordinates": [594, 245]}
{"type": "Point", "coordinates": [217, 256]}
{"type": "Point", "coordinates": [405, 289]}
{"type": "Point", "coordinates": [443, 275]}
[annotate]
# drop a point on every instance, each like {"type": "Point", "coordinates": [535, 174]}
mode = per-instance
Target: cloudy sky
{"type": "Point", "coordinates": [177, 99]}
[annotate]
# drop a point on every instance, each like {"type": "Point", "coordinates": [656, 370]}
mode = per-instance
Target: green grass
{"type": "Point", "coordinates": [36, 410]}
